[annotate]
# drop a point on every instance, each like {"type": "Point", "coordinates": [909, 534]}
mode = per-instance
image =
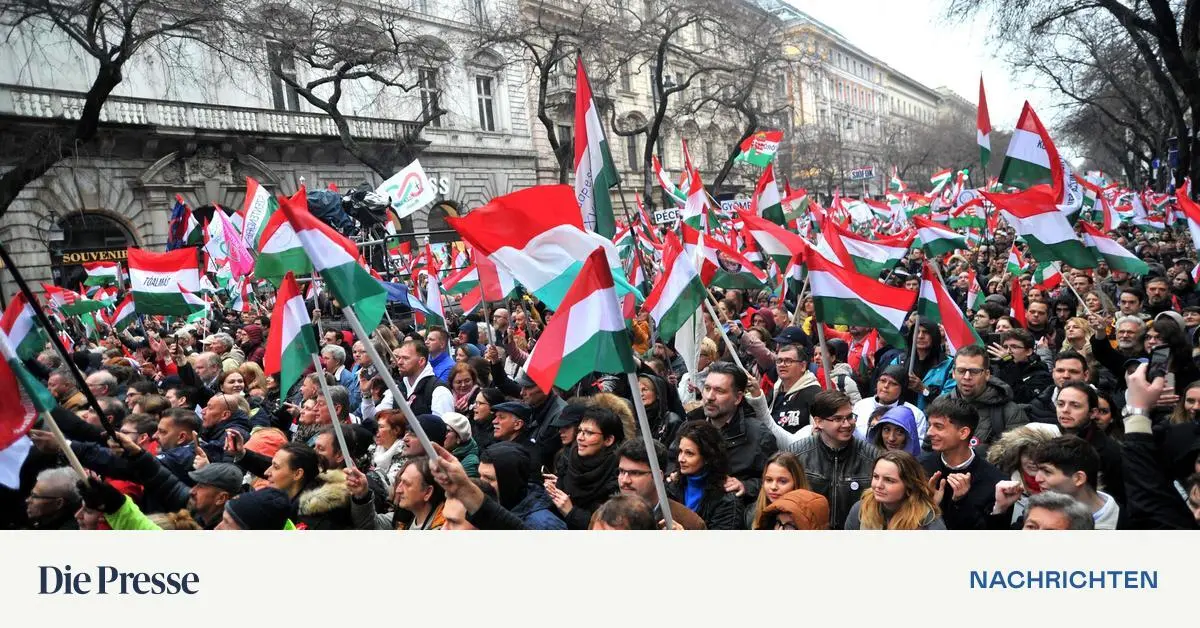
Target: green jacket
{"type": "Point", "coordinates": [468, 454]}
{"type": "Point", "coordinates": [130, 517]}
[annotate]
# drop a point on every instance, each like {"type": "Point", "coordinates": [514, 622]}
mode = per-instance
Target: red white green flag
{"type": "Point", "coordinates": [124, 314]}
{"type": "Point", "coordinates": [336, 259]}
{"type": "Point", "coordinates": [719, 262]}
{"type": "Point", "coordinates": [759, 149]}
{"type": "Point", "coordinates": [1106, 249]}
{"type": "Point", "coordinates": [936, 239]}
{"type": "Point", "coordinates": [257, 210]}
{"type": "Point", "coordinates": [1034, 215]}
{"type": "Point", "coordinates": [587, 333]}
{"type": "Point", "coordinates": [1016, 303]}
{"type": "Point", "coordinates": [594, 169]}
{"type": "Point", "coordinates": [19, 324]}
{"type": "Point", "coordinates": [1047, 276]}
{"type": "Point", "coordinates": [279, 250]}
{"type": "Point", "coordinates": [936, 304]}
{"type": "Point", "coordinates": [844, 297]}
{"type": "Point", "coordinates": [678, 291]}
{"type": "Point", "coordinates": [155, 280]}
{"type": "Point", "coordinates": [668, 186]}
{"type": "Point", "coordinates": [1032, 158]}
{"type": "Point", "coordinates": [290, 341]}
{"type": "Point", "coordinates": [102, 273]}
{"type": "Point", "coordinates": [983, 129]}
{"type": "Point", "coordinates": [775, 242]}
{"type": "Point", "coordinates": [869, 256]}
{"type": "Point", "coordinates": [766, 198]}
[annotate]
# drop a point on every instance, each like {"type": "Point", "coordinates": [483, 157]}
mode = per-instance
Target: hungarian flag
{"type": "Point", "coordinates": [678, 291]}
{"type": "Point", "coordinates": [775, 242]}
{"type": "Point", "coordinates": [1104, 248]}
{"type": "Point", "coordinates": [939, 180]}
{"type": "Point", "coordinates": [1034, 215]}
{"type": "Point", "coordinates": [759, 149]}
{"type": "Point", "coordinates": [124, 315]}
{"type": "Point", "coordinates": [258, 209]}
{"type": "Point", "coordinates": [766, 198]}
{"type": "Point", "coordinates": [102, 273]}
{"type": "Point", "coordinates": [720, 264]}
{"type": "Point", "coordinates": [1047, 277]}
{"type": "Point", "coordinates": [197, 305]}
{"type": "Point", "coordinates": [462, 281]}
{"type": "Point", "coordinates": [1190, 211]}
{"type": "Point", "coordinates": [155, 278]}
{"type": "Point", "coordinates": [1032, 158]}
{"type": "Point", "coordinates": [496, 283]}
{"type": "Point", "coordinates": [22, 398]}
{"type": "Point", "coordinates": [869, 256]}
{"type": "Point", "coordinates": [182, 228]}
{"type": "Point", "coordinates": [587, 333]}
{"type": "Point", "coordinates": [983, 129]}
{"type": "Point", "coordinates": [935, 304]}
{"type": "Point", "coordinates": [637, 279]}
{"type": "Point", "coordinates": [435, 315]}
{"type": "Point", "coordinates": [71, 303]}
{"type": "Point", "coordinates": [594, 169]}
{"type": "Point", "coordinates": [936, 239]}
{"type": "Point", "coordinates": [975, 297]}
{"type": "Point", "coordinates": [242, 297]}
{"type": "Point", "coordinates": [844, 297]}
{"type": "Point", "coordinates": [20, 327]}
{"type": "Point", "coordinates": [1016, 263]}
{"type": "Point", "coordinates": [668, 186]}
{"type": "Point", "coordinates": [335, 258]}
{"type": "Point", "coordinates": [280, 250]}
{"type": "Point", "coordinates": [695, 209]}
{"type": "Point", "coordinates": [291, 342]}
{"type": "Point", "coordinates": [1016, 303]}
{"type": "Point", "coordinates": [536, 237]}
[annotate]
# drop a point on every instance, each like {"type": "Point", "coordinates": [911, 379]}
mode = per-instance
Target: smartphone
{"type": "Point", "coordinates": [1160, 359]}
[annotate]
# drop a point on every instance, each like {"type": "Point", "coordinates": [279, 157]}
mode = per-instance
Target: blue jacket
{"type": "Point", "coordinates": [179, 460]}
{"type": "Point", "coordinates": [350, 382]}
{"type": "Point", "coordinates": [902, 417]}
{"type": "Point", "coordinates": [537, 512]}
{"type": "Point", "coordinates": [442, 363]}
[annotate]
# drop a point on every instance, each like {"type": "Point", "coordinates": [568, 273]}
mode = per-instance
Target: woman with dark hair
{"type": "Point", "coordinates": [1108, 417]}
{"type": "Point", "coordinates": [900, 497]}
{"type": "Point", "coordinates": [481, 416]}
{"type": "Point", "coordinates": [1184, 289]}
{"type": "Point", "coordinates": [663, 407]}
{"type": "Point", "coordinates": [930, 374]}
{"type": "Point", "coordinates": [699, 483]}
{"type": "Point", "coordinates": [319, 500]}
{"type": "Point", "coordinates": [586, 475]}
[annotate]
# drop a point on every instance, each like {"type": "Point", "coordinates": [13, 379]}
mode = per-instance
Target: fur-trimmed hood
{"type": "Point", "coordinates": [329, 494]}
{"type": "Point", "coordinates": [1006, 452]}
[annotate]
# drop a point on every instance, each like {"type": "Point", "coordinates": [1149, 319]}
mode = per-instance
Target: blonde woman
{"type": "Point", "coordinates": [899, 498]}
{"type": "Point", "coordinates": [1077, 333]}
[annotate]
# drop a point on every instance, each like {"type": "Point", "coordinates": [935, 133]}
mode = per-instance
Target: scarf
{"type": "Point", "coordinates": [693, 491]}
{"type": "Point", "coordinates": [463, 401]}
{"type": "Point", "coordinates": [591, 480]}
{"type": "Point", "coordinates": [305, 433]}
{"type": "Point", "coordinates": [382, 458]}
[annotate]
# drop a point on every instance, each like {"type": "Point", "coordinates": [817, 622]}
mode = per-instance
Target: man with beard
{"type": "Point", "coordinates": [1037, 315]}
{"type": "Point", "coordinates": [1129, 331]}
{"type": "Point", "coordinates": [748, 443]}
{"type": "Point", "coordinates": [838, 464]}
{"type": "Point", "coordinates": [1158, 297]}
{"type": "Point", "coordinates": [990, 397]}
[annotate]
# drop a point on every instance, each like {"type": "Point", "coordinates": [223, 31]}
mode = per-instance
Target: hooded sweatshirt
{"type": "Point", "coordinates": [809, 510]}
{"type": "Point", "coordinates": [790, 408]}
{"type": "Point", "coordinates": [254, 347]}
{"type": "Point", "coordinates": [517, 493]}
{"type": "Point", "coordinates": [903, 417]}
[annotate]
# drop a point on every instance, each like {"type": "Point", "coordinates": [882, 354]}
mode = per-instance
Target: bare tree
{"type": "Point", "coordinates": [109, 33]}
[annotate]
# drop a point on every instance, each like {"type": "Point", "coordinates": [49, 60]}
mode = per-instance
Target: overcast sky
{"type": "Point", "coordinates": [913, 37]}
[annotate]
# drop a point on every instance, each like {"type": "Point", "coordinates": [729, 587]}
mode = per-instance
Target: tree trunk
{"type": "Point", "coordinates": [49, 153]}
{"type": "Point", "coordinates": [751, 127]}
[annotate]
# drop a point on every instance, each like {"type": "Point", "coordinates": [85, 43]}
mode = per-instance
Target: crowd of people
{"type": "Point", "coordinates": [1065, 422]}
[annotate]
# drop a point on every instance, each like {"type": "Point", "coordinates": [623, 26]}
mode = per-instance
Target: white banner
{"type": "Point", "coordinates": [410, 189]}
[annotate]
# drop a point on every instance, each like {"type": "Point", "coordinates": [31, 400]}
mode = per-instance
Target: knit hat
{"type": "Point", "coordinates": [266, 509]}
{"type": "Point", "coordinates": [434, 427]}
{"type": "Point", "coordinates": [899, 373]}
{"type": "Point", "coordinates": [459, 423]}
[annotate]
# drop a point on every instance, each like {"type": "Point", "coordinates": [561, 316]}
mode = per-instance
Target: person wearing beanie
{"type": "Point", "coordinates": [433, 427]}
{"type": "Point", "coordinates": [251, 339]}
{"type": "Point", "coordinates": [460, 443]}
{"type": "Point", "coordinates": [889, 392]}
{"type": "Point", "coordinates": [266, 509]}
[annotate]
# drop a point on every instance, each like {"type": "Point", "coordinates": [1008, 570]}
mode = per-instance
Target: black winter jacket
{"type": "Point", "coordinates": [1026, 379]}
{"type": "Point", "coordinates": [997, 411]}
{"type": "Point", "coordinates": [719, 510]}
{"type": "Point", "coordinates": [840, 475]}
{"type": "Point", "coordinates": [749, 444]}
{"type": "Point", "coordinates": [972, 512]}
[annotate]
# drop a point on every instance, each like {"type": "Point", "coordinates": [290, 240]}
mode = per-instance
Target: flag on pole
{"type": "Point", "coordinates": [258, 209]}
{"type": "Point", "coordinates": [280, 251]}
{"type": "Point", "coordinates": [678, 291]}
{"type": "Point", "coordinates": [695, 210]}
{"type": "Point", "coordinates": [1106, 249]}
{"type": "Point", "coordinates": [759, 149]}
{"type": "Point", "coordinates": [198, 306]}
{"type": "Point", "coordinates": [718, 262]}
{"type": "Point", "coordinates": [975, 297]}
{"type": "Point", "coordinates": [535, 235]}
{"type": "Point", "coordinates": [462, 281]}
{"type": "Point", "coordinates": [22, 399]}
{"type": "Point", "coordinates": [766, 198]}
{"type": "Point", "coordinates": [155, 279]}
{"type": "Point", "coordinates": [20, 326]}
{"type": "Point", "coordinates": [102, 273]}
{"type": "Point", "coordinates": [124, 314]}
{"type": "Point", "coordinates": [433, 300]}
{"type": "Point", "coordinates": [182, 228]}
{"type": "Point", "coordinates": [1032, 158]}
{"type": "Point", "coordinates": [1016, 303]}
{"type": "Point", "coordinates": [336, 259]}
{"type": "Point", "coordinates": [939, 180]}
{"type": "Point", "coordinates": [240, 260]}
{"type": "Point", "coordinates": [1047, 276]}
{"type": "Point", "coordinates": [983, 129]}
{"type": "Point", "coordinates": [668, 186]}
{"type": "Point", "coordinates": [290, 340]}
{"type": "Point", "coordinates": [936, 304]}
{"type": "Point", "coordinates": [936, 239]}
{"type": "Point", "coordinates": [869, 256]}
{"type": "Point", "coordinates": [844, 297]}
{"type": "Point", "coordinates": [1034, 215]}
{"type": "Point", "coordinates": [1016, 263]}
{"type": "Point", "coordinates": [1190, 210]}
{"type": "Point", "coordinates": [242, 297]}
{"type": "Point", "coordinates": [775, 242]}
{"type": "Point", "coordinates": [587, 333]}
{"type": "Point", "coordinates": [594, 169]}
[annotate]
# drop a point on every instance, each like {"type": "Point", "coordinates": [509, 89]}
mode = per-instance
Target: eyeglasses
{"type": "Point", "coordinates": [840, 418]}
{"type": "Point", "coordinates": [47, 497]}
{"type": "Point", "coordinates": [588, 433]}
{"type": "Point", "coordinates": [781, 525]}
{"type": "Point", "coordinates": [633, 473]}
{"type": "Point", "coordinates": [131, 434]}
{"type": "Point", "coordinates": [1014, 347]}
{"type": "Point", "coordinates": [785, 362]}
{"type": "Point", "coordinates": [963, 371]}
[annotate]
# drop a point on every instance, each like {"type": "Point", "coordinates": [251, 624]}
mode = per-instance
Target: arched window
{"type": "Point", "coordinates": [87, 237]}
{"type": "Point", "coordinates": [486, 69]}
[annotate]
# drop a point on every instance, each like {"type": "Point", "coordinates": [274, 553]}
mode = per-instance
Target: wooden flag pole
{"type": "Point", "coordinates": [660, 486]}
{"type": "Point", "coordinates": [386, 374]}
{"type": "Point", "coordinates": [333, 417]}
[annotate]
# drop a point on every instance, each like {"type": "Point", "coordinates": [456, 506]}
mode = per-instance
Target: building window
{"type": "Point", "coordinates": [479, 10]}
{"type": "Point", "coordinates": [283, 96]}
{"type": "Point", "coordinates": [564, 136]}
{"type": "Point", "coordinates": [700, 33]}
{"type": "Point", "coordinates": [632, 155]}
{"type": "Point", "coordinates": [431, 95]}
{"type": "Point", "coordinates": [626, 77]}
{"type": "Point", "coordinates": [483, 98]}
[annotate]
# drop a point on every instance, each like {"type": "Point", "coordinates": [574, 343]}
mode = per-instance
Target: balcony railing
{"type": "Point", "coordinates": [33, 102]}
